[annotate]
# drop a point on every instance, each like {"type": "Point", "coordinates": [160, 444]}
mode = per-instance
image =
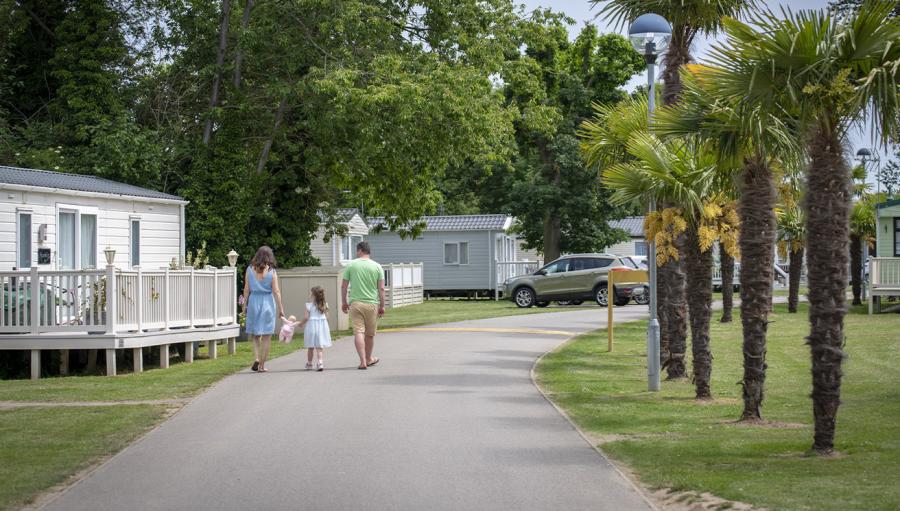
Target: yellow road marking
{"type": "Point", "coordinates": [538, 331]}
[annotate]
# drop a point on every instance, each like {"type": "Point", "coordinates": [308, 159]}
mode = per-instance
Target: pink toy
{"type": "Point", "coordinates": [287, 328]}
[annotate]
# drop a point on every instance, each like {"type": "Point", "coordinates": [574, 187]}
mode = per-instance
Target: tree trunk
{"type": "Point", "coordinates": [552, 221]}
{"type": "Point", "coordinates": [670, 277]}
{"type": "Point", "coordinates": [795, 270]}
{"type": "Point", "coordinates": [552, 226]}
{"type": "Point", "coordinates": [757, 243]}
{"type": "Point", "coordinates": [699, 293]}
{"type": "Point", "coordinates": [217, 77]}
{"type": "Point", "coordinates": [856, 268]}
{"type": "Point", "coordinates": [279, 117]}
{"type": "Point", "coordinates": [673, 313]}
{"type": "Point", "coordinates": [727, 263]}
{"type": "Point", "coordinates": [827, 225]}
{"type": "Point", "coordinates": [239, 54]}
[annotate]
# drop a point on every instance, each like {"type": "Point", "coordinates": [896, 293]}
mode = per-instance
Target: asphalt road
{"type": "Point", "coordinates": [449, 420]}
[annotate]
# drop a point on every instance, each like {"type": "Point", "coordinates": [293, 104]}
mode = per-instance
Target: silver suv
{"type": "Point", "coordinates": [572, 278]}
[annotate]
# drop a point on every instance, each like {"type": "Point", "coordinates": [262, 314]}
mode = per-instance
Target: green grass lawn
{"type": "Point", "coordinates": [447, 311]}
{"type": "Point", "coordinates": [41, 447]}
{"type": "Point", "coordinates": [672, 441]}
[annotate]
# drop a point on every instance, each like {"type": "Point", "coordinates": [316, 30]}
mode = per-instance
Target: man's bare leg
{"type": "Point", "coordinates": [359, 339]}
{"type": "Point", "coordinates": [370, 346]}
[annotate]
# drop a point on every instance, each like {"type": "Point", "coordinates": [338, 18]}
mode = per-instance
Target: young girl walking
{"type": "Point", "coordinates": [316, 334]}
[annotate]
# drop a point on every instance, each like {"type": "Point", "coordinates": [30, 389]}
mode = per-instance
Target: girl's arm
{"type": "Point", "coordinates": [305, 317]}
{"type": "Point", "coordinates": [277, 292]}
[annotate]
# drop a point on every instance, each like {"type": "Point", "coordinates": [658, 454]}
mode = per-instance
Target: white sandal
{"type": "Point", "coordinates": [309, 366]}
{"type": "Point", "coordinates": [321, 366]}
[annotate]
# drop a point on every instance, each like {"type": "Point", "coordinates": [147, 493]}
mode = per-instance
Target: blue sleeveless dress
{"type": "Point", "coordinates": [261, 305]}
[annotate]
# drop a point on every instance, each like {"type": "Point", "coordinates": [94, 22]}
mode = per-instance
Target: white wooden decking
{"type": "Point", "coordinates": [884, 280]}
{"type": "Point", "coordinates": [116, 309]}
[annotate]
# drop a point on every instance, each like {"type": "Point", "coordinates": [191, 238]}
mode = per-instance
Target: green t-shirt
{"type": "Point", "coordinates": [363, 275]}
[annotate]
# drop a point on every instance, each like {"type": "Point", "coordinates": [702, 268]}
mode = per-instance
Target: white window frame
{"type": "Point", "coordinates": [351, 240]}
{"type": "Point", "coordinates": [19, 213]}
{"type": "Point", "coordinates": [131, 220]}
{"type": "Point", "coordinates": [458, 245]}
{"type": "Point", "coordinates": [78, 211]}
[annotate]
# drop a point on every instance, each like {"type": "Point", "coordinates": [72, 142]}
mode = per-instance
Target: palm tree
{"type": "Point", "coordinates": [792, 243]}
{"type": "Point", "coordinates": [834, 72]}
{"type": "Point", "coordinates": [680, 172]}
{"type": "Point", "coordinates": [753, 142]}
{"type": "Point", "coordinates": [862, 230]}
{"type": "Point", "coordinates": [688, 18]}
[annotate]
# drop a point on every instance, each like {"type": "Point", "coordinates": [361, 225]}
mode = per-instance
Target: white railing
{"type": "Point", "coordinates": [506, 270]}
{"type": "Point", "coordinates": [113, 300]}
{"type": "Point", "coordinates": [781, 276]}
{"type": "Point", "coordinates": [884, 273]}
{"type": "Point", "coordinates": [403, 284]}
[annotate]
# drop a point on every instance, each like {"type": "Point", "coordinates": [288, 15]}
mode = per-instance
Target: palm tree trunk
{"type": "Point", "coordinates": [727, 263]}
{"type": "Point", "coordinates": [827, 225]}
{"type": "Point", "coordinates": [670, 277]}
{"type": "Point", "coordinates": [673, 313]}
{"type": "Point", "coordinates": [699, 292]}
{"type": "Point", "coordinates": [757, 243]}
{"type": "Point", "coordinates": [856, 268]}
{"type": "Point", "coordinates": [795, 270]}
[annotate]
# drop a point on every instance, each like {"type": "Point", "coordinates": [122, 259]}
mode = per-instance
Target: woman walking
{"type": "Point", "coordinates": [261, 295]}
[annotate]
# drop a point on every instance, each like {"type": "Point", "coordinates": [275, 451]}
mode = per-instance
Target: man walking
{"type": "Point", "coordinates": [365, 278]}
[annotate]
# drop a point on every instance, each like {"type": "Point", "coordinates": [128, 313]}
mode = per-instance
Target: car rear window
{"type": "Point", "coordinates": [596, 262]}
{"type": "Point", "coordinates": [629, 263]}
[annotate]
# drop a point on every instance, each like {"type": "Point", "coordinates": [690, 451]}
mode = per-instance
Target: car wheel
{"type": "Point", "coordinates": [643, 298]}
{"type": "Point", "coordinates": [542, 304]}
{"type": "Point", "coordinates": [621, 302]}
{"type": "Point", "coordinates": [601, 295]}
{"type": "Point", "coordinates": [524, 297]}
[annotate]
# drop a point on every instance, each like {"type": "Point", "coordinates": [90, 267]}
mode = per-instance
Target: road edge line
{"type": "Point", "coordinates": [640, 490]}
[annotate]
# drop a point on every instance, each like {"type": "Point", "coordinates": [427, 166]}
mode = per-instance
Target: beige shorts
{"type": "Point", "coordinates": [364, 318]}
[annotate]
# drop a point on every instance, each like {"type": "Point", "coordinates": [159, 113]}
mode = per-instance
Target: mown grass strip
{"type": "Point", "coordinates": [672, 441]}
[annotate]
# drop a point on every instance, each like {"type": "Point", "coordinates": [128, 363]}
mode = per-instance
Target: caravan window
{"type": "Point", "coordinates": [456, 253]}
{"type": "Point", "coordinates": [65, 240]}
{"type": "Point", "coordinates": [348, 247]}
{"type": "Point", "coordinates": [24, 240]}
{"type": "Point", "coordinates": [897, 237]}
{"type": "Point", "coordinates": [76, 237]}
{"type": "Point", "coordinates": [88, 239]}
{"type": "Point", "coordinates": [135, 242]}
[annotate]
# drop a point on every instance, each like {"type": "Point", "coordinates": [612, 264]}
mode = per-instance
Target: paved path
{"type": "Point", "coordinates": [449, 420]}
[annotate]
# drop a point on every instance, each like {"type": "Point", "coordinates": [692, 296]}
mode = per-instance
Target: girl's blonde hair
{"type": "Point", "coordinates": [318, 295]}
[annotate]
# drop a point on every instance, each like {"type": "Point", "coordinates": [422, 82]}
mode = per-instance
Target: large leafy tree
{"type": "Point", "coordinates": [551, 84]}
{"type": "Point", "coordinates": [261, 114]}
{"type": "Point", "coordinates": [688, 19]}
{"type": "Point", "coordinates": [833, 71]}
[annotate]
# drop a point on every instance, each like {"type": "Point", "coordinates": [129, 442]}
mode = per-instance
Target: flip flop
{"type": "Point", "coordinates": [362, 368]}
{"type": "Point", "coordinates": [255, 366]}
{"type": "Point", "coordinates": [377, 360]}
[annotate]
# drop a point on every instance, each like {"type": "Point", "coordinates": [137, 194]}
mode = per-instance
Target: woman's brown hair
{"type": "Point", "coordinates": [263, 259]}
{"type": "Point", "coordinates": [319, 299]}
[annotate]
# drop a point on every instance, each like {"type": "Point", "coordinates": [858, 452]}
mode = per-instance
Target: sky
{"type": "Point", "coordinates": [583, 12]}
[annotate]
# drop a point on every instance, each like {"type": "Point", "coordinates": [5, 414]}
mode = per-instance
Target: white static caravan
{"type": "Point", "coordinates": [461, 254]}
{"type": "Point", "coordinates": [340, 250]}
{"type": "Point", "coordinates": [57, 233]}
{"type": "Point", "coordinates": [59, 221]}
{"type": "Point", "coordinates": [634, 227]}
